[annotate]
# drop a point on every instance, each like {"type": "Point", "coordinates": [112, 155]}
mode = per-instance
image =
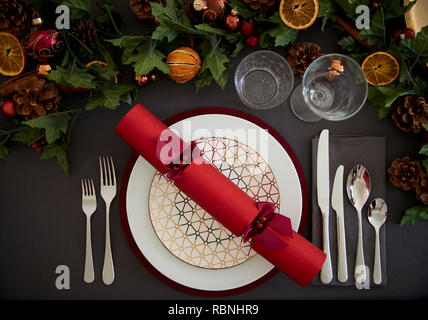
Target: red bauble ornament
{"type": "Point", "coordinates": [231, 21]}
{"type": "Point", "coordinates": [400, 34]}
{"type": "Point", "coordinates": [247, 28]}
{"type": "Point", "coordinates": [252, 41]}
{"type": "Point", "coordinates": [8, 109]}
{"type": "Point", "coordinates": [210, 9]}
{"type": "Point", "coordinates": [43, 44]}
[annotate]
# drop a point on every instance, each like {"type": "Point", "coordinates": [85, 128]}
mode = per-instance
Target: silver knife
{"type": "Point", "coordinates": [337, 205]}
{"type": "Point", "coordinates": [323, 194]}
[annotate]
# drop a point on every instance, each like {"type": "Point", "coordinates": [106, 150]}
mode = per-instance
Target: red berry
{"type": "Point", "coordinates": [408, 33]}
{"type": "Point", "coordinates": [36, 146]}
{"type": "Point", "coordinates": [247, 28]}
{"type": "Point", "coordinates": [8, 109]}
{"type": "Point", "coordinates": [156, 23]}
{"type": "Point", "coordinates": [400, 34]}
{"type": "Point", "coordinates": [252, 41]}
{"type": "Point", "coordinates": [396, 34]}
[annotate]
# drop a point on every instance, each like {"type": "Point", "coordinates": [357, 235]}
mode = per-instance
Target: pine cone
{"type": "Point", "coordinates": [142, 8]}
{"type": "Point", "coordinates": [15, 17]}
{"type": "Point", "coordinates": [86, 32]}
{"type": "Point", "coordinates": [405, 174]}
{"type": "Point", "coordinates": [35, 98]}
{"type": "Point", "coordinates": [261, 5]}
{"type": "Point", "coordinates": [411, 113]}
{"type": "Point", "coordinates": [422, 189]}
{"type": "Point", "coordinates": [301, 56]}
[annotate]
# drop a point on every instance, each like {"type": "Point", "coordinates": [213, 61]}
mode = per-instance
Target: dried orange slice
{"type": "Point", "coordinates": [380, 68]}
{"type": "Point", "coordinates": [12, 57]}
{"type": "Point", "coordinates": [299, 14]}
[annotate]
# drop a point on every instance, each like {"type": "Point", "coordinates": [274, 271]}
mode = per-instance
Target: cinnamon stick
{"type": "Point", "coordinates": [8, 87]}
{"type": "Point", "coordinates": [353, 32]}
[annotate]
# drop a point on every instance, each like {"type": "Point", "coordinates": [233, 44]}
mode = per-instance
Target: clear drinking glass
{"type": "Point", "coordinates": [263, 80]}
{"type": "Point", "coordinates": [334, 88]}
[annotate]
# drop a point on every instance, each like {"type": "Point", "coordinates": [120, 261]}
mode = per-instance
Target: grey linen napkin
{"type": "Point", "coordinates": [349, 151]}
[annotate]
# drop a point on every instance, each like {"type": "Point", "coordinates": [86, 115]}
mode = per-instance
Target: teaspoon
{"type": "Point", "coordinates": [358, 188]}
{"type": "Point", "coordinates": [377, 216]}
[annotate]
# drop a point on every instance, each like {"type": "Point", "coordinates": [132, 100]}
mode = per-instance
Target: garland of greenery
{"type": "Point", "coordinates": [216, 45]}
{"type": "Point", "coordinates": [412, 55]}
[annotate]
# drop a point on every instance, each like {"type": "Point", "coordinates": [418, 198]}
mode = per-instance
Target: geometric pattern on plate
{"type": "Point", "coordinates": [188, 231]}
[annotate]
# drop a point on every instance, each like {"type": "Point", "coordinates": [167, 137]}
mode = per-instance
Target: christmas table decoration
{"type": "Point", "coordinates": [49, 63]}
{"type": "Point", "coordinates": [270, 233]}
{"type": "Point", "coordinates": [399, 84]}
{"type": "Point", "coordinates": [175, 24]}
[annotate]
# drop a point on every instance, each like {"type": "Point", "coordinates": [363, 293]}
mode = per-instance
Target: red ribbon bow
{"type": "Point", "coordinates": [266, 226]}
{"type": "Point", "coordinates": [178, 158]}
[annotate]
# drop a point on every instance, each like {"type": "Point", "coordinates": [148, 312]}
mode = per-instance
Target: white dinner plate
{"type": "Point", "coordinates": [148, 243]}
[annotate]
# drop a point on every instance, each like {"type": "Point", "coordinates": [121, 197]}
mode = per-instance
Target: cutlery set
{"type": "Point", "coordinates": [89, 206]}
{"type": "Point", "coordinates": [358, 187]}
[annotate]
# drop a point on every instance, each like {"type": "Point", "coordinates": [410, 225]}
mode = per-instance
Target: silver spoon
{"type": "Point", "coordinates": [377, 216]}
{"type": "Point", "coordinates": [358, 187]}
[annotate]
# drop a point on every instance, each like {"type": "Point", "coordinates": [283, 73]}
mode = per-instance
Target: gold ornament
{"type": "Point", "coordinates": [184, 64]}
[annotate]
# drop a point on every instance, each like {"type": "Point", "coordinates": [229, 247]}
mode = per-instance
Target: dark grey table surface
{"type": "Point", "coordinates": [42, 224]}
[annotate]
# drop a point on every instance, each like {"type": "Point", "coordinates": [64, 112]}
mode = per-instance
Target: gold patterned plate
{"type": "Point", "coordinates": [146, 242]}
{"type": "Point", "coordinates": [189, 232]}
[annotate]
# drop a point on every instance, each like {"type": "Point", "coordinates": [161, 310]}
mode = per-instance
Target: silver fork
{"type": "Point", "coordinates": [89, 205]}
{"type": "Point", "coordinates": [108, 193]}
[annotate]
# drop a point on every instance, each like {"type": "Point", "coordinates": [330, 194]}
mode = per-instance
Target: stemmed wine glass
{"type": "Point", "coordinates": [334, 88]}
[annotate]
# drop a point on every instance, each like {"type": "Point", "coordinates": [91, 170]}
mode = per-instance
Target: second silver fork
{"type": "Point", "coordinates": [108, 193]}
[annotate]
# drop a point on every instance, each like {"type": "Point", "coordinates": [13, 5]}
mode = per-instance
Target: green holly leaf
{"type": "Point", "coordinates": [375, 35]}
{"type": "Point", "coordinates": [347, 43]}
{"type": "Point", "coordinates": [385, 96]}
{"type": "Point", "coordinates": [349, 6]}
{"type": "Point", "coordinates": [416, 50]}
{"type": "Point", "coordinates": [59, 152]}
{"type": "Point", "coordinates": [104, 73]}
{"type": "Point", "coordinates": [327, 11]}
{"type": "Point", "coordinates": [424, 150]}
{"type": "Point", "coordinates": [203, 79]}
{"type": "Point", "coordinates": [4, 151]}
{"type": "Point", "coordinates": [425, 164]}
{"type": "Point", "coordinates": [78, 8]}
{"type": "Point", "coordinates": [174, 16]}
{"type": "Point", "coordinates": [27, 135]}
{"type": "Point", "coordinates": [54, 124]}
{"type": "Point", "coordinates": [244, 11]}
{"type": "Point", "coordinates": [282, 34]}
{"type": "Point", "coordinates": [205, 27]}
{"type": "Point", "coordinates": [214, 59]}
{"type": "Point", "coordinates": [395, 9]}
{"type": "Point", "coordinates": [72, 76]}
{"type": "Point", "coordinates": [130, 44]}
{"type": "Point", "coordinates": [147, 59]}
{"type": "Point", "coordinates": [384, 113]}
{"type": "Point", "coordinates": [414, 215]}
{"type": "Point", "coordinates": [238, 48]}
{"type": "Point", "coordinates": [110, 95]}
{"type": "Point", "coordinates": [164, 31]}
